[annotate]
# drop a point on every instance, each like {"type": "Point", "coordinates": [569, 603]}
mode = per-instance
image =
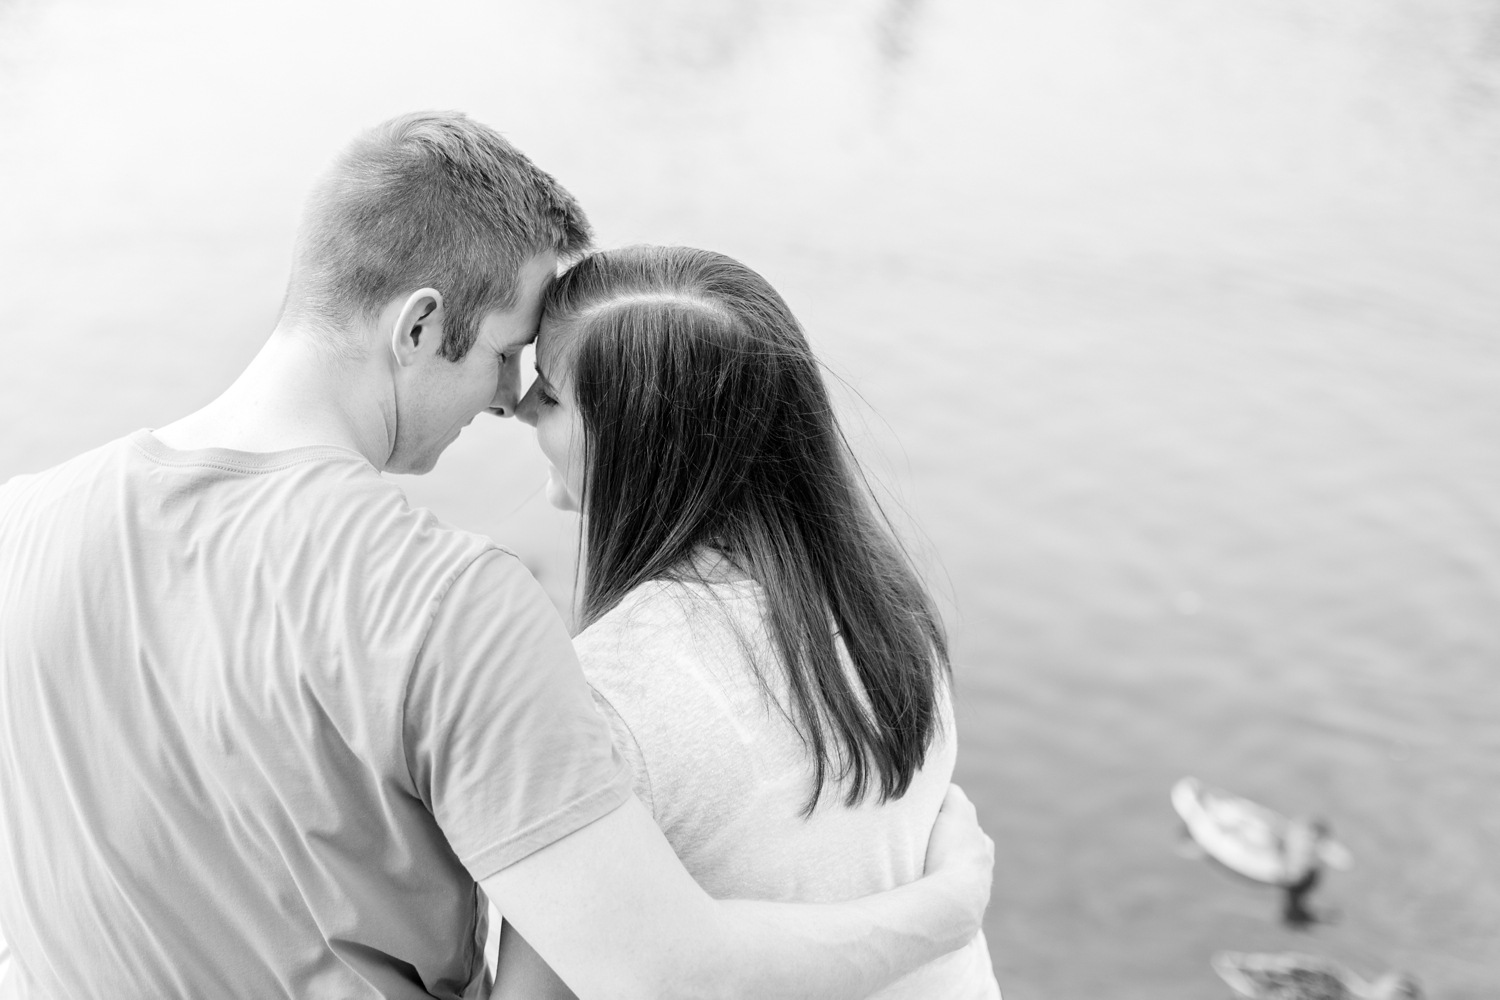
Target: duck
{"type": "Point", "coordinates": [1295, 976]}
{"type": "Point", "coordinates": [1256, 842]}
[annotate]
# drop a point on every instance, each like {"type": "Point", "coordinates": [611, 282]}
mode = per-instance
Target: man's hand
{"type": "Point", "coordinates": [961, 855]}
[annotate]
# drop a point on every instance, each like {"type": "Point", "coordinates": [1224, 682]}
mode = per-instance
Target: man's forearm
{"type": "Point", "coordinates": [834, 950]}
{"type": "Point", "coordinates": [786, 950]}
{"type": "Point", "coordinates": [852, 949]}
{"type": "Point", "coordinates": [612, 910]}
{"type": "Point", "coordinates": [777, 949]}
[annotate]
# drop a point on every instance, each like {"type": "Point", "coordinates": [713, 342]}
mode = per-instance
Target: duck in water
{"type": "Point", "coordinates": [1260, 843]}
{"type": "Point", "coordinates": [1293, 976]}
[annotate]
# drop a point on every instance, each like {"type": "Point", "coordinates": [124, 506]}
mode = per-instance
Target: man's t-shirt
{"type": "Point", "coordinates": [263, 726]}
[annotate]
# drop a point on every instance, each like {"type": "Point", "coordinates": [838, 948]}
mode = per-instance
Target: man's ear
{"type": "Point", "coordinates": [419, 326]}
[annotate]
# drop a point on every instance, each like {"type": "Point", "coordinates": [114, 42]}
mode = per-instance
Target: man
{"type": "Point", "coordinates": [265, 730]}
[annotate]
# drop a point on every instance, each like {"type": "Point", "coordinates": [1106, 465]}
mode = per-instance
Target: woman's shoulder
{"type": "Point", "coordinates": [672, 603]}
{"type": "Point", "coordinates": [672, 669]}
{"type": "Point", "coordinates": [671, 621]}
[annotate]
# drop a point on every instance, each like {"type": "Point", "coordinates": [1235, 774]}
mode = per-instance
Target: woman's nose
{"type": "Point", "coordinates": [525, 410]}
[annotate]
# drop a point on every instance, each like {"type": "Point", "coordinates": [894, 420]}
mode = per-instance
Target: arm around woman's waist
{"type": "Point", "coordinates": [613, 911]}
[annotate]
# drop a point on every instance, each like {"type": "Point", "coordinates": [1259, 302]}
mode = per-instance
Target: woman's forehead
{"type": "Point", "coordinates": [552, 337]}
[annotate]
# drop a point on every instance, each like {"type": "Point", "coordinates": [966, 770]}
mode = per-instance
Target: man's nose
{"type": "Point", "coordinates": [507, 395]}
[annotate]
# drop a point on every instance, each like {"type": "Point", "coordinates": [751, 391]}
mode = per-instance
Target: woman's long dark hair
{"type": "Point", "coordinates": [708, 426]}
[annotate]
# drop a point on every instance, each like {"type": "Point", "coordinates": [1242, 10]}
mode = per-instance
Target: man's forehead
{"type": "Point", "coordinates": [526, 335]}
{"type": "Point", "coordinates": [507, 332]}
{"type": "Point", "coordinates": [537, 277]}
{"type": "Point", "coordinates": [512, 329]}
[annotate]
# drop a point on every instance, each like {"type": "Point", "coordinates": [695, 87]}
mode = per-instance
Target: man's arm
{"type": "Point", "coordinates": [522, 974]}
{"type": "Point", "coordinates": [617, 916]}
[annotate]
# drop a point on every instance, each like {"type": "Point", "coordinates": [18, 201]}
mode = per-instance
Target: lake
{"type": "Point", "coordinates": [1171, 329]}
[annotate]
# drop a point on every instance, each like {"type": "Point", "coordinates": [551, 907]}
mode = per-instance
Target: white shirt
{"type": "Point", "coordinates": [726, 775]}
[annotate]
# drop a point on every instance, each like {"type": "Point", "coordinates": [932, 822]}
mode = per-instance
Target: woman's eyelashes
{"type": "Point", "coordinates": [539, 386]}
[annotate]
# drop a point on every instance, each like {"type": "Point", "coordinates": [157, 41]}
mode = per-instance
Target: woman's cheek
{"type": "Point", "coordinates": [546, 437]}
{"type": "Point", "coordinates": [558, 493]}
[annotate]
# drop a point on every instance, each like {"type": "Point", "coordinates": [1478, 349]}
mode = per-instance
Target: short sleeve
{"type": "Point", "coordinates": [501, 737]}
{"type": "Point", "coordinates": [628, 746]}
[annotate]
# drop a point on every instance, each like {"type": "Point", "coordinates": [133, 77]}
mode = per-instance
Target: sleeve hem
{"type": "Point", "coordinates": [603, 701]}
{"type": "Point", "coordinates": [574, 816]}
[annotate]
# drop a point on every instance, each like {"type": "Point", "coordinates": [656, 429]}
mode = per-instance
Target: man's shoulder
{"type": "Point", "coordinates": [391, 523]}
{"type": "Point", "coordinates": [55, 480]}
{"type": "Point", "coordinates": [325, 511]}
{"type": "Point", "coordinates": [372, 540]}
{"type": "Point", "coordinates": [98, 455]}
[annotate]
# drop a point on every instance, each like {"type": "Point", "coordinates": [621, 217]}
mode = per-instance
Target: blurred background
{"type": "Point", "coordinates": [1172, 327]}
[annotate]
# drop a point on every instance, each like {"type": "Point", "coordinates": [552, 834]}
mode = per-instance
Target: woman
{"type": "Point", "coordinates": [771, 667]}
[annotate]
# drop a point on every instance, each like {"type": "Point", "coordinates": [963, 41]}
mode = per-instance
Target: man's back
{"type": "Point", "coordinates": [222, 773]}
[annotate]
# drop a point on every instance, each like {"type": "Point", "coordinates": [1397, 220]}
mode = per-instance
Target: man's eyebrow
{"type": "Point", "coordinates": [516, 346]}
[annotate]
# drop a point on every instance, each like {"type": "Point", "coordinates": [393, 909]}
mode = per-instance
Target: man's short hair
{"type": "Point", "coordinates": [428, 199]}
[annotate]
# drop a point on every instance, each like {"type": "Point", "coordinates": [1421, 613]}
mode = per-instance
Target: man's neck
{"type": "Point", "coordinates": [295, 393]}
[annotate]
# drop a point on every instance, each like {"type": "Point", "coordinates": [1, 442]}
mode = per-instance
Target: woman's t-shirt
{"type": "Point", "coordinates": [723, 770]}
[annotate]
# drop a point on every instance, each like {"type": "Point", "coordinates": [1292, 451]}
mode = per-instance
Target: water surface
{"type": "Point", "coordinates": [1171, 326]}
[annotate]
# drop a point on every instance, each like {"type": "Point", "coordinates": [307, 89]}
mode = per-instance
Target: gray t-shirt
{"type": "Point", "coordinates": [263, 726]}
{"type": "Point", "coordinates": [673, 669]}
